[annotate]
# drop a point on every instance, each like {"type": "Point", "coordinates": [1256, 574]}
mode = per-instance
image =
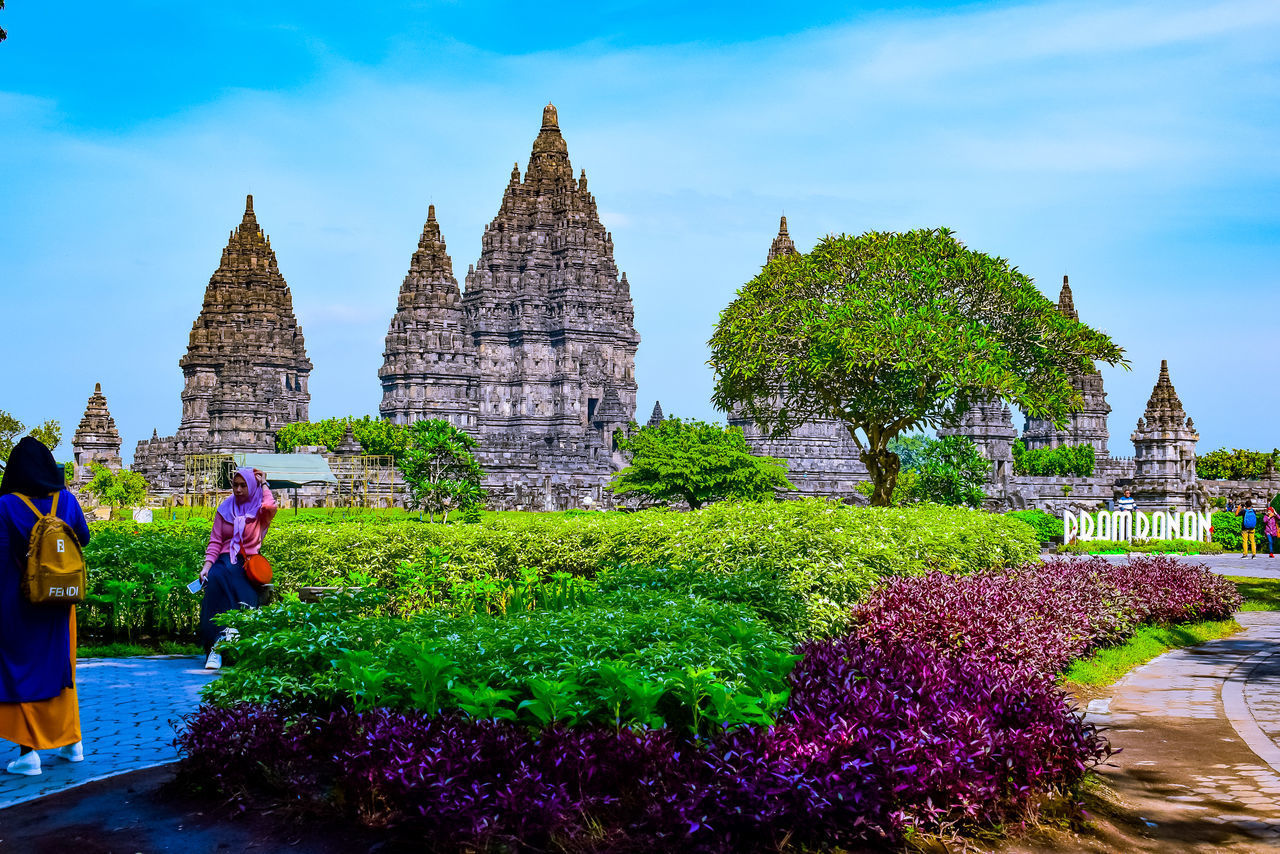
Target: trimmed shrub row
{"type": "Point", "coordinates": [825, 554]}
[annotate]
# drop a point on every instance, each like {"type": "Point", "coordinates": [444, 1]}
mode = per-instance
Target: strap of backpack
{"type": "Point", "coordinates": [27, 501]}
{"type": "Point", "coordinates": [53, 511]}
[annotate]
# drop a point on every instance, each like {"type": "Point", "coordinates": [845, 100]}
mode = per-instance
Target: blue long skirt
{"type": "Point", "coordinates": [227, 588]}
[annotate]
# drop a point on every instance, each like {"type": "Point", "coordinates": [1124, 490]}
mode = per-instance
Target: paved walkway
{"type": "Point", "coordinates": [1231, 564]}
{"type": "Point", "coordinates": [1199, 732]}
{"type": "Point", "coordinates": [127, 710]}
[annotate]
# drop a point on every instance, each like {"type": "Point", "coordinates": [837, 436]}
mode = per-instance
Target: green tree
{"type": "Point", "coordinates": [1236, 464]}
{"type": "Point", "coordinates": [1062, 461]}
{"type": "Point", "coordinates": [375, 435]}
{"type": "Point", "coordinates": [952, 471]}
{"type": "Point", "coordinates": [697, 462]}
{"type": "Point", "coordinates": [893, 332]}
{"type": "Point", "coordinates": [48, 434]}
{"type": "Point", "coordinates": [440, 468]}
{"type": "Point", "coordinates": [122, 488]}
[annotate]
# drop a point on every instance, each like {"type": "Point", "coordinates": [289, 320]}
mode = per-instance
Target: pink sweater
{"type": "Point", "coordinates": [254, 530]}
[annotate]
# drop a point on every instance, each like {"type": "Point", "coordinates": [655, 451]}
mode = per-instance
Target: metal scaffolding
{"type": "Point", "coordinates": [207, 479]}
{"type": "Point", "coordinates": [364, 481]}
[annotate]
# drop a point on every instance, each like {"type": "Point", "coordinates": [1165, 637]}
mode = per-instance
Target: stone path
{"type": "Point", "coordinates": [1229, 564]}
{"type": "Point", "coordinates": [127, 710]}
{"type": "Point", "coordinates": [1199, 732]}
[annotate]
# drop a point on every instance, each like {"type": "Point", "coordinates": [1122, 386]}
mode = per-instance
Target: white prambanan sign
{"type": "Point", "coordinates": [1125, 525]}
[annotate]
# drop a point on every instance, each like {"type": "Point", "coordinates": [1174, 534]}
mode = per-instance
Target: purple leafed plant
{"type": "Point", "coordinates": [938, 712]}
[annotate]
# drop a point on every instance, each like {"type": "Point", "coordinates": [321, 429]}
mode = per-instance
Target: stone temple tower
{"type": "Point", "coordinates": [429, 364]}
{"type": "Point", "coordinates": [97, 439]}
{"type": "Point", "coordinates": [1164, 445]}
{"type": "Point", "coordinates": [247, 318]}
{"type": "Point", "coordinates": [553, 329]}
{"type": "Point", "coordinates": [1087, 425]}
{"type": "Point", "coordinates": [246, 368]}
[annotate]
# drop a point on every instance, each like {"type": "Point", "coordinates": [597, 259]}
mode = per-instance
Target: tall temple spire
{"type": "Point", "coordinates": [247, 316]}
{"type": "Point", "coordinates": [1164, 409]}
{"type": "Point", "coordinates": [428, 369]}
{"type": "Point", "coordinates": [782, 244]}
{"type": "Point", "coordinates": [655, 417]}
{"type": "Point", "coordinates": [1066, 303]}
{"type": "Point", "coordinates": [549, 160]}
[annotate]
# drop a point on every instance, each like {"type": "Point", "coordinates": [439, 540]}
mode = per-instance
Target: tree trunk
{"type": "Point", "coordinates": [882, 465]}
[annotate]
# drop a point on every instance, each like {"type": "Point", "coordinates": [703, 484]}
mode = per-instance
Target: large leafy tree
{"type": "Point", "coordinates": [48, 434]}
{"type": "Point", "coordinates": [697, 462]}
{"type": "Point", "coordinates": [440, 469]}
{"type": "Point", "coordinates": [891, 332]}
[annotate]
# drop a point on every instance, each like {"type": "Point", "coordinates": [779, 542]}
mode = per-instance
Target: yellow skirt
{"type": "Point", "coordinates": [45, 724]}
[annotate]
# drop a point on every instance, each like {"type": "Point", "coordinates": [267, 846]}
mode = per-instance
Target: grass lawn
{"type": "Point", "coordinates": [1107, 665]}
{"type": "Point", "coordinates": [133, 650]}
{"type": "Point", "coordinates": [1260, 594]}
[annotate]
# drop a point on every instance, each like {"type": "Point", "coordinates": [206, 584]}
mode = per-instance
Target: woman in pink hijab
{"type": "Point", "coordinates": [238, 528]}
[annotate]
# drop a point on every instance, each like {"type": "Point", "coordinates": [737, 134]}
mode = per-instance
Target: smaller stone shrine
{"type": "Point", "coordinates": [1164, 444]}
{"type": "Point", "coordinates": [96, 440]}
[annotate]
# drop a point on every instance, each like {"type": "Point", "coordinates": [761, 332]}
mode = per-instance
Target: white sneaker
{"type": "Point", "coordinates": [214, 661]}
{"type": "Point", "coordinates": [72, 752]}
{"type": "Point", "coordinates": [28, 764]}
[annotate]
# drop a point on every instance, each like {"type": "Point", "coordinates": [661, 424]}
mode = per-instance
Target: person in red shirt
{"type": "Point", "coordinates": [238, 528]}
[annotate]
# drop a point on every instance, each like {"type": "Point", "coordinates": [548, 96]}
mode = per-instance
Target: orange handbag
{"type": "Point", "coordinates": [258, 569]}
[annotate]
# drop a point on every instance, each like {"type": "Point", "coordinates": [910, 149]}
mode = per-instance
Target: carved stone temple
{"type": "Point", "coordinates": [246, 368]}
{"type": "Point", "coordinates": [96, 439]}
{"type": "Point", "coordinates": [1164, 445]}
{"type": "Point", "coordinates": [537, 358]}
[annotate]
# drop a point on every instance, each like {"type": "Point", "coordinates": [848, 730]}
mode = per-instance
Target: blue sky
{"type": "Point", "coordinates": [1131, 145]}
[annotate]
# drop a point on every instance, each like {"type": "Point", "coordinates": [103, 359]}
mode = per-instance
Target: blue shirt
{"type": "Point", "coordinates": [1126, 504]}
{"type": "Point", "coordinates": [35, 640]}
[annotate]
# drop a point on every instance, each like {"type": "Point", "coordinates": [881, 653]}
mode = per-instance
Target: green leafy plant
{"type": "Point", "coordinates": [376, 436]}
{"type": "Point", "coordinates": [440, 468]}
{"type": "Point", "coordinates": [1062, 461]}
{"type": "Point", "coordinates": [122, 488]}
{"type": "Point", "coordinates": [698, 463]}
{"type": "Point", "coordinates": [1236, 464]}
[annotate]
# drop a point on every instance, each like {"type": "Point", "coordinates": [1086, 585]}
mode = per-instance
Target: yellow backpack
{"type": "Point", "coordinates": [55, 564]}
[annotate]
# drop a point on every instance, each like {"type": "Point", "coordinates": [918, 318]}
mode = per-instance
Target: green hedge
{"type": "Point", "coordinates": [826, 554]}
{"type": "Point", "coordinates": [1189, 547]}
{"type": "Point", "coordinates": [1046, 527]}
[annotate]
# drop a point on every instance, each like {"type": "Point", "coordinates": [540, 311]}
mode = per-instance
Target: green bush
{"type": "Point", "coordinates": [1237, 464]}
{"type": "Point", "coordinates": [1189, 547]}
{"type": "Point", "coordinates": [1227, 528]}
{"type": "Point", "coordinates": [628, 656]}
{"type": "Point", "coordinates": [824, 554]}
{"type": "Point", "coordinates": [1046, 527]}
{"type": "Point", "coordinates": [1062, 461]}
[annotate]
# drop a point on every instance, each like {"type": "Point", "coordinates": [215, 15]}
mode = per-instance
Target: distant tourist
{"type": "Point", "coordinates": [1248, 524]}
{"type": "Point", "coordinates": [1127, 504]}
{"type": "Point", "coordinates": [1271, 528]}
{"type": "Point", "coordinates": [38, 705]}
{"type": "Point", "coordinates": [238, 528]}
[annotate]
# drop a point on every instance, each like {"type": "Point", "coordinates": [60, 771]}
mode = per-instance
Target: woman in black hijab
{"type": "Point", "coordinates": [38, 705]}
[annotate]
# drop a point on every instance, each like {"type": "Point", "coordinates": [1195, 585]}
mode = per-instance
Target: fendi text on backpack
{"type": "Point", "coordinates": [55, 564]}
